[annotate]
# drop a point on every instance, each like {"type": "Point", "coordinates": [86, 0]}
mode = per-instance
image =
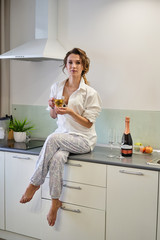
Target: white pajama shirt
{"type": "Point", "coordinates": [69, 137]}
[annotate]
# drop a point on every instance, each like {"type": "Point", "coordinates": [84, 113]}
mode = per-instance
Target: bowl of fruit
{"type": "Point", "coordinates": [139, 148]}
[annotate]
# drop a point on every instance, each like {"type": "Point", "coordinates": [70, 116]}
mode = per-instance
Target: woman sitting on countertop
{"type": "Point", "coordinates": [76, 128]}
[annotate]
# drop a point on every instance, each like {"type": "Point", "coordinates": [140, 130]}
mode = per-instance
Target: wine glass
{"type": "Point", "coordinates": [111, 141]}
{"type": "Point", "coordinates": [119, 142]}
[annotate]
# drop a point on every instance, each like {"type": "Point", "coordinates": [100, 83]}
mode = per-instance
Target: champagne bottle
{"type": "Point", "coordinates": [127, 144]}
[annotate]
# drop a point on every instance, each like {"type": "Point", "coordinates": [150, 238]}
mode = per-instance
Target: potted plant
{"type": "Point", "coordinates": [20, 129]}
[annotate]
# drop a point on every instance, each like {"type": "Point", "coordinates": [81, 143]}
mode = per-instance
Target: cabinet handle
{"type": "Point", "coordinates": [26, 158]}
{"type": "Point", "coordinates": [74, 164]}
{"type": "Point", "coordinates": [129, 172]}
{"type": "Point", "coordinates": [68, 186]}
{"type": "Point", "coordinates": [71, 210]}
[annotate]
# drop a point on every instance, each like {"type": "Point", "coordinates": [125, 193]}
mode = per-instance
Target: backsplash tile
{"type": "Point", "coordinates": [44, 124]}
{"type": "Point", "coordinates": [144, 125]}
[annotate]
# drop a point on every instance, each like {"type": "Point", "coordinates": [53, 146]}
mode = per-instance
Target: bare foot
{"type": "Point", "coordinates": [52, 215]}
{"type": "Point", "coordinates": [29, 193]}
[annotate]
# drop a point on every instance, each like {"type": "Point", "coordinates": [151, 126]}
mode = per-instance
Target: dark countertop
{"type": "Point", "coordinates": [99, 155]}
{"type": "Point", "coordinates": [138, 160]}
{"type": "Point", "coordinates": [33, 151]}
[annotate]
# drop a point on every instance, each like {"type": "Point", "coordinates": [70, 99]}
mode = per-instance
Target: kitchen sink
{"type": "Point", "coordinates": [154, 162]}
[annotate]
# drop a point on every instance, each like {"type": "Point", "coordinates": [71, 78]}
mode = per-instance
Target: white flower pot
{"type": "Point", "coordinates": [19, 136]}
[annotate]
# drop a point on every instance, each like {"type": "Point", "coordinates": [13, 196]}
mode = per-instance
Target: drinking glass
{"type": "Point", "coordinates": [59, 102]}
{"type": "Point", "coordinates": [111, 141]}
{"type": "Point", "coordinates": [119, 142]}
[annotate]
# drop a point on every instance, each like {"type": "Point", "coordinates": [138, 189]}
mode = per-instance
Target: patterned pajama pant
{"type": "Point", "coordinates": [52, 158]}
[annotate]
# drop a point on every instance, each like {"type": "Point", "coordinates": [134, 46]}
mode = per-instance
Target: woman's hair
{"type": "Point", "coordinates": [84, 58]}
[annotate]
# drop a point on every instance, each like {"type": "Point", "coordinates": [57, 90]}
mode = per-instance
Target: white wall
{"type": "Point", "coordinates": [122, 39]}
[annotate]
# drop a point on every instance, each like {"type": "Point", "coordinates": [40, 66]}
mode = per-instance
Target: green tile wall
{"type": "Point", "coordinates": [39, 116]}
{"type": "Point", "coordinates": [144, 126]}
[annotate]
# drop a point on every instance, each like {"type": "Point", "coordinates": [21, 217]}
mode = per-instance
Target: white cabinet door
{"type": "Point", "coordinates": [2, 190]}
{"type": "Point", "coordinates": [131, 203]}
{"type": "Point", "coordinates": [158, 225]}
{"type": "Point", "coordinates": [21, 218]}
{"type": "Point", "coordinates": [74, 223]}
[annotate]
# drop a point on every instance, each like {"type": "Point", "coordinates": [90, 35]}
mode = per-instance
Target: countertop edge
{"type": "Point", "coordinates": [97, 156]}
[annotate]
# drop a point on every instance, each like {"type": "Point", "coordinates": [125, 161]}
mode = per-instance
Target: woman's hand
{"type": "Point", "coordinates": [53, 113]}
{"type": "Point", "coordinates": [63, 110]}
{"type": "Point", "coordinates": [51, 102]}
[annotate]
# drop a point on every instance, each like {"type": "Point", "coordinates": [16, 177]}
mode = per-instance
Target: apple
{"type": "Point", "coordinates": [148, 149]}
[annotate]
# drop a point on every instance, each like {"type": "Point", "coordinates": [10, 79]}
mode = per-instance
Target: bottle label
{"type": "Point", "coordinates": [125, 146]}
{"type": "Point", "coordinates": [126, 149]}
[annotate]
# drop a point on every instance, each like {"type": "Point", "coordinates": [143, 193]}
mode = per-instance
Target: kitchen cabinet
{"type": "Point", "coordinates": [158, 223]}
{"type": "Point", "coordinates": [83, 211]}
{"type": "Point", "coordinates": [23, 219]}
{"type": "Point", "coordinates": [99, 202]}
{"type": "Point", "coordinates": [131, 203]}
{"type": "Point", "coordinates": [2, 190]}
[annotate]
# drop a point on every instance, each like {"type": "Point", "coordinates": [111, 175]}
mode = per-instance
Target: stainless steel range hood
{"type": "Point", "coordinates": [45, 46]}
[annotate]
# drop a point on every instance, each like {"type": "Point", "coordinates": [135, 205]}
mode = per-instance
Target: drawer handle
{"type": "Point", "coordinates": [134, 173]}
{"type": "Point", "coordinates": [26, 158]}
{"type": "Point", "coordinates": [71, 210]}
{"type": "Point", "coordinates": [74, 164]}
{"type": "Point", "coordinates": [68, 186]}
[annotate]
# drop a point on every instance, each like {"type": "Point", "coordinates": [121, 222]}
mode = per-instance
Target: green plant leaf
{"type": "Point", "coordinates": [21, 126]}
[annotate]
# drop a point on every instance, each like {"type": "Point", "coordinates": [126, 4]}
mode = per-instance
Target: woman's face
{"type": "Point", "coordinates": [74, 65]}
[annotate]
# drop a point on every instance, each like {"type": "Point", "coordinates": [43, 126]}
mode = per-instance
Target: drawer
{"type": "Point", "coordinates": [28, 157]}
{"type": "Point", "coordinates": [80, 194]}
{"type": "Point", "coordinates": [85, 172]}
{"type": "Point", "coordinates": [74, 222]}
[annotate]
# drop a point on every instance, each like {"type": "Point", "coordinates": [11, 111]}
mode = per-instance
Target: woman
{"type": "Point", "coordinates": [75, 132]}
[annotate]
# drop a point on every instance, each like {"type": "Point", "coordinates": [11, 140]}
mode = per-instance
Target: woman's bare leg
{"type": "Point", "coordinates": [29, 193]}
{"type": "Point", "coordinates": [52, 215]}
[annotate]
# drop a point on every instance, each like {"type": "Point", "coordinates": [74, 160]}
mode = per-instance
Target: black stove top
{"type": "Point", "coordinates": [21, 145]}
